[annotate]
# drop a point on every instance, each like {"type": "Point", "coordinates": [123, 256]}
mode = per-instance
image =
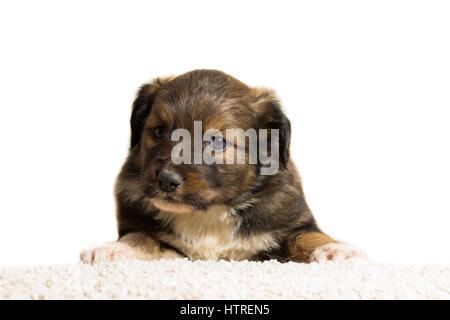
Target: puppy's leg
{"type": "Point", "coordinates": [317, 247]}
{"type": "Point", "coordinates": [134, 245]}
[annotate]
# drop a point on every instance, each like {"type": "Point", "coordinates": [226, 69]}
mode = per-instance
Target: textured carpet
{"type": "Point", "coordinates": [183, 279]}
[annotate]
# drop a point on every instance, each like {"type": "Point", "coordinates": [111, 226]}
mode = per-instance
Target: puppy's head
{"type": "Point", "coordinates": [212, 102]}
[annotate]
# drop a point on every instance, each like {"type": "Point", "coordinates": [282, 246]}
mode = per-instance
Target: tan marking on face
{"type": "Point", "coordinates": [194, 181]}
{"type": "Point", "coordinates": [220, 121]}
{"type": "Point", "coordinates": [148, 139]}
{"type": "Point", "coordinates": [160, 116]}
{"type": "Point", "coordinates": [153, 121]}
{"type": "Point", "coordinates": [179, 208]}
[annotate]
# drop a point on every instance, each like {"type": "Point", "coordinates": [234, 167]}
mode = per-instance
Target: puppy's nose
{"type": "Point", "coordinates": [169, 181]}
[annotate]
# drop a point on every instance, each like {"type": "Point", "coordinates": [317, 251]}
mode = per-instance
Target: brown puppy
{"type": "Point", "coordinates": [211, 211]}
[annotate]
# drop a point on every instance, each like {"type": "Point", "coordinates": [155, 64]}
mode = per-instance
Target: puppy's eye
{"type": "Point", "coordinates": [218, 143]}
{"type": "Point", "coordinates": [158, 132]}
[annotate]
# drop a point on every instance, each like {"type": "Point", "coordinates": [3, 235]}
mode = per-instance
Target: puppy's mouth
{"type": "Point", "coordinates": [170, 205]}
{"type": "Point", "coordinates": [174, 202]}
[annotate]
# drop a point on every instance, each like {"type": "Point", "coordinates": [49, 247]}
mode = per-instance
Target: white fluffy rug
{"type": "Point", "coordinates": [183, 279]}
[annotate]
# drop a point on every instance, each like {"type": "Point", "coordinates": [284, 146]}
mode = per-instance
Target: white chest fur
{"type": "Point", "coordinates": [212, 235]}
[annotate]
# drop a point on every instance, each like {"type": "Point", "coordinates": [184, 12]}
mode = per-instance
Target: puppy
{"type": "Point", "coordinates": [211, 209]}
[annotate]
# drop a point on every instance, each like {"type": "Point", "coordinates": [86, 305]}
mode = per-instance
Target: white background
{"type": "Point", "coordinates": [365, 83]}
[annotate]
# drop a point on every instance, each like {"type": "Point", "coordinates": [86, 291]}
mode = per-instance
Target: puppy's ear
{"type": "Point", "coordinates": [142, 106]}
{"type": "Point", "coordinates": [271, 116]}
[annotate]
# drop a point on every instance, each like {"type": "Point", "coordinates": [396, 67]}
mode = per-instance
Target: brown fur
{"type": "Point", "coordinates": [301, 247]}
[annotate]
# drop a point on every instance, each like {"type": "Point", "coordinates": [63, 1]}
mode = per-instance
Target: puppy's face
{"type": "Point", "coordinates": [216, 101]}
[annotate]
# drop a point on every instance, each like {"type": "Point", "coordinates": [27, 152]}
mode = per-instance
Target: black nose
{"type": "Point", "coordinates": [169, 181]}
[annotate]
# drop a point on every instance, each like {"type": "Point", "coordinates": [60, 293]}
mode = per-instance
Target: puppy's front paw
{"type": "Point", "coordinates": [108, 252]}
{"type": "Point", "coordinates": [335, 252]}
